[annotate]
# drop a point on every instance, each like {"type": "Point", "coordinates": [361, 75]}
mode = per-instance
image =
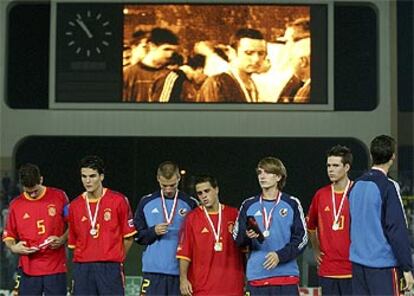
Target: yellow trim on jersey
{"type": "Point", "coordinates": [346, 276]}
{"type": "Point", "coordinates": [37, 198]}
{"type": "Point", "coordinates": [183, 257]}
{"type": "Point", "coordinates": [9, 238]}
{"type": "Point", "coordinates": [213, 213]}
{"type": "Point", "coordinates": [94, 200]}
{"type": "Point", "coordinates": [130, 234]}
{"type": "Point", "coordinates": [71, 246]}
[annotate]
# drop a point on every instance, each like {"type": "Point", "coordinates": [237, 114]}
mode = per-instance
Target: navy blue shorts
{"type": "Point", "coordinates": [54, 284]}
{"type": "Point", "coordinates": [374, 281]}
{"type": "Point", "coordinates": [160, 284]}
{"type": "Point", "coordinates": [335, 286]}
{"type": "Point", "coordinates": [286, 290]}
{"type": "Point", "coordinates": [98, 278]}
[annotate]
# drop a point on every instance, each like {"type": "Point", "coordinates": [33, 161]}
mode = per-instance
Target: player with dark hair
{"type": "Point", "coordinates": [380, 245]}
{"type": "Point", "coordinates": [100, 232]}
{"type": "Point", "coordinates": [36, 231]}
{"type": "Point", "coordinates": [236, 85]}
{"type": "Point", "coordinates": [271, 266]}
{"type": "Point", "coordinates": [149, 79]}
{"type": "Point", "coordinates": [328, 225]}
{"type": "Point", "coordinates": [158, 219]}
{"type": "Point", "coordinates": [138, 47]}
{"type": "Point", "coordinates": [206, 250]}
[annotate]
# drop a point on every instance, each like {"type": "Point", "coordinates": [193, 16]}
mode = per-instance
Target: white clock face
{"type": "Point", "coordinates": [88, 34]}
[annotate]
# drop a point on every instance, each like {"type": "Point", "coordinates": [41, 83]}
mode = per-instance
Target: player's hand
{"type": "Point", "coordinates": [57, 241]}
{"type": "Point", "coordinates": [409, 280]}
{"type": "Point", "coordinates": [252, 234]}
{"type": "Point", "coordinates": [161, 229]}
{"type": "Point", "coordinates": [272, 260]}
{"type": "Point", "coordinates": [318, 255]}
{"type": "Point", "coordinates": [185, 287]}
{"type": "Point", "coordinates": [21, 249]}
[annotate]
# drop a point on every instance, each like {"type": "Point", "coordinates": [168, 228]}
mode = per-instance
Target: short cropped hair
{"type": "Point", "coordinates": [168, 169]}
{"type": "Point", "coordinates": [138, 36]}
{"type": "Point", "coordinates": [93, 162]}
{"type": "Point", "coordinates": [275, 166]}
{"type": "Point", "coordinates": [29, 175]}
{"type": "Point", "coordinates": [204, 179]}
{"type": "Point", "coordinates": [341, 151]}
{"type": "Point", "coordinates": [382, 149]}
{"type": "Point", "coordinates": [160, 36]}
{"type": "Point", "coordinates": [244, 33]}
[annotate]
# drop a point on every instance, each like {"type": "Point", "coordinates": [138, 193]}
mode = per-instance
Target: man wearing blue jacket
{"type": "Point", "coordinates": [271, 266]}
{"type": "Point", "coordinates": [158, 219]}
{"type": "Point", "coordinates": [379, 236]}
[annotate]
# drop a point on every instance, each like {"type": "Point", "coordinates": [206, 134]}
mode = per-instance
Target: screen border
{"type": "Point", "coordinates": [266, 107]}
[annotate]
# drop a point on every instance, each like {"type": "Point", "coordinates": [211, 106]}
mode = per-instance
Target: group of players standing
{"type": "Point", "coordinates": [358, 232]}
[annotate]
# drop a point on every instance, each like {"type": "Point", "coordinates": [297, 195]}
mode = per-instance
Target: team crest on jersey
{"type": "Point", "coordinates": [205, 230]}
{"type": "Point", "coordinates": [182, 212]}
{"type": "Point", "coordinates": [327, 209]}
{"type": "Point", "coordinates": [84, 219]}
{"type": "Point", "coordinates": [283, 212]}
{"type": "Point", "coordinates": [26, 216]}
{"type": "Point", "coordinates": [107, 215]}
{"type": "Point", "coordinates": [230, 227]}
{"type": "Point", "coordinates": [51, 210]}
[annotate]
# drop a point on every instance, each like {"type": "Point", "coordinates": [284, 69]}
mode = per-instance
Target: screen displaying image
{"type": "Point", "coordinates": [191, 54]}
{"type": "Point", "coordinates": [224, 54]}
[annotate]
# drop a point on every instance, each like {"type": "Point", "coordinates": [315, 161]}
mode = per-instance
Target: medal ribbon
{"type": "Point", "coordinates": [267, 219]}
{"type": "Point", "coordinates": [251, 97]}
{"type": "Point", "coordinates": [88, 207]}
{"type": "Point", "coordinates": [169, 217]}
{"type": "Point", "coordinates": [341, 204]}
{"type": "Point", "coordinates": [215, 233]}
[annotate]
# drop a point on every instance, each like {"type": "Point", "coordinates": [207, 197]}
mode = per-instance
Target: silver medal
{"type": "Point", "coordinates": [335, 226]}
{"type": "Point", "coordinates": [266, 233]}
{"type": "Point", "coordinates": [218, 247]}
{"type": "Point", "coordinates": [93, 231]}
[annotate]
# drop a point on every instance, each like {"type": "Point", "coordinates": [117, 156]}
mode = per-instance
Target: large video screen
{"type": "Point", "coordinates": [139, 54]}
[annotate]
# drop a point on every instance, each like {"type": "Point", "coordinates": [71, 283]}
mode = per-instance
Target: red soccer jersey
{"type": "Point", "coordinates": [211, 272]}
{"type": "Point", "coordinates": [33, 221]}
{"type": "Point", "coordinates": [113, 224]}
{"type": "Point", "coordinates": [334, 244]}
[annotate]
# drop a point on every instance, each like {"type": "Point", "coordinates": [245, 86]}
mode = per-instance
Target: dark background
{"type": "Point", "coordinates": [132, 162]}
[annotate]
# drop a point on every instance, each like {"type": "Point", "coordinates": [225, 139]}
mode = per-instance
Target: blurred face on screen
{"type": "Point", "coordinates": [161, 54]}
{"type": "Point", "coordinates": [138, 51]}
{"type": "Point", "coordinates": [250, 55]}
{"type": "Point", "coordinates": [301, 60]}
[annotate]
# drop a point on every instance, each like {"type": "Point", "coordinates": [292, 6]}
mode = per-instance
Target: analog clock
{"type": "Point", "coordinates": [88, 33]}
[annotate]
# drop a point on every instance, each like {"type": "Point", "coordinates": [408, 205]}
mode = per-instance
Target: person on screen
{"type": "Point", "coordinates": [279, 234]}
{"type": "Point", "coordinates": [206, 249]}
{"type": "Point", "coordinates": [138, 47]}
{"type": "Point", "coordinates": [298, 88]}
{"type": "Point", "coordinates": [328, 225]}
{"type": "Point", "coordinates": [149, 79]}
{"type": "Point", "coordinates": [36, 231]}
{"type": "Point", "coordinates": [236, 85]}
{"type": "Point", "coordinates": [279, 78]}
{"type": "Point", "coordinates": [101, 233]}
{"type": "Point", "coordinates": [158, 218]}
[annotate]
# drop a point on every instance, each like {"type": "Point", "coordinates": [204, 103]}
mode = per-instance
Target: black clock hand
{"type": "Point", "coordinates": [84, 28]}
